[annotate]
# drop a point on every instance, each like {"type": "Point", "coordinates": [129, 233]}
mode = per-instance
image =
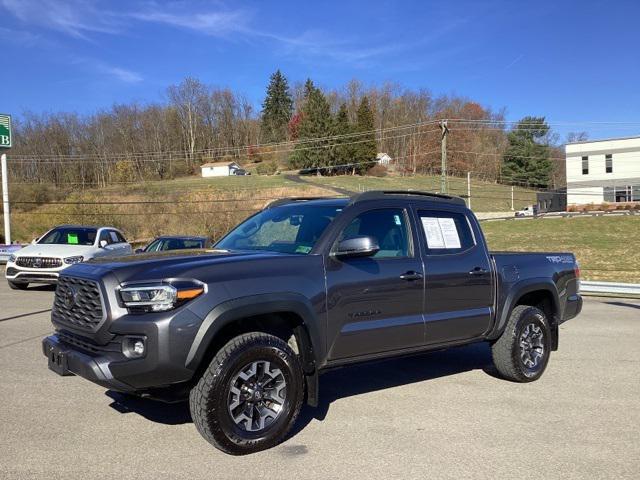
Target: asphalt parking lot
{"type": "Point", "coordinates": [440, 415]}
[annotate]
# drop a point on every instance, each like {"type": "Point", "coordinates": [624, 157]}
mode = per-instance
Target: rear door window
{"type": "Point", "coordinates": [445, 232]}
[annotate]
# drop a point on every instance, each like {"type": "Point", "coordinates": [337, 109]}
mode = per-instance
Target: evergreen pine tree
{"type": "Point", "coordinates": [527, 156]}
{"type": "Point", "coordinates": [366, 149]}
{"type": "Point", "coordinates": [316, 122]}
{"type": "Point", "coordinates": [276, 109]}
{"type": "Point", "coordinates": [342, 152]}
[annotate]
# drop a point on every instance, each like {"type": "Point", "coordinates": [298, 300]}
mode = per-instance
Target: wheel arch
{"type": "Point", "coordinates": [538, 292]}
{"type": "Point", "coordinates": [277, 314]}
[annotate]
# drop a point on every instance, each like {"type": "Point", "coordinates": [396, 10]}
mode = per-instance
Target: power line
{"type": "Point", "coordinates": [113, 159]}
{"type": "Point", "coordinates": [291, 144]}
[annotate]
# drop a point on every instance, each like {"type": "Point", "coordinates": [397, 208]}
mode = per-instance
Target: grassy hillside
{"type": "Point", "coordinates": [182, 206]}
{"type": "Point", "coordinates": [608, 248]}
{"type": "Point", "coordinates": [485, 197]}
{"type": "Point", "coordinates": [211, 205]}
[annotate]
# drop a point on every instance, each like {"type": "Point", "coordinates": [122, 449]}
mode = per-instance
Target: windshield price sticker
{"type": "Point", "coordinates": [441, 232]}
{"type": "Point", "coordinates": [72, 238]}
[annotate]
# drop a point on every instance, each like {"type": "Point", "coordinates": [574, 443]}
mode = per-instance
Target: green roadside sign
{"type": "Point", "coordinates": [5, 131]}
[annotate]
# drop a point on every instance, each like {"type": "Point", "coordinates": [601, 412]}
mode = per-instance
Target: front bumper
{"type": "Point", "coordinates": [94, 368]}
{"type": "Point", "coordinates": [18, 274]}
{"type": "Point", "coordinates": [100, 357]}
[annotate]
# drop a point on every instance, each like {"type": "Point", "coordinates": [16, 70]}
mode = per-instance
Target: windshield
{"type": "Point", "coordinates": [69, 236]}
{"type": "Point", "coordinates": [287, 229]}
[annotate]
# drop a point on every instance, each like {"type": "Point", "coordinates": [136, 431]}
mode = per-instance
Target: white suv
{"type": "Point", "coordinates": [59, 248]}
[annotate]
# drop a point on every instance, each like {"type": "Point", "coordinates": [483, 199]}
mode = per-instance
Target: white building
{"type": "Point", "coordinates": [602, 171]}
{"type": "Point", "coordinates": [219, 169]}
{"type": "Point", "coordinates": [383, 158]}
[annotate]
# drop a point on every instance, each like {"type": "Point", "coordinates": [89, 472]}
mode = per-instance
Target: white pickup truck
{"type": "Point", "coordinates": [59, 248]}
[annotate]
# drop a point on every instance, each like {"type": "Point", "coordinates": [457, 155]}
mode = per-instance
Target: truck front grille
{"type": "Point", "coordinates": [78, 303]}
{"type": "Point", "coordinates": [39, 262]}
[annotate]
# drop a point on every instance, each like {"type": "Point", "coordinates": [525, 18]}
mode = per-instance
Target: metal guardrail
{"type": "Point", "coordinates": [595, 213]}
{"type": "Point", "coordinates": [610, 288]}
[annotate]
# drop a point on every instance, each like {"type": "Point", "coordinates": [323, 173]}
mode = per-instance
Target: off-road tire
{"type": "Point", "coordinates": [17, 285]}
{"type": "Point", "coordinates": [208, 400]}
{"type": "Point", "coordinates": [507, 351]}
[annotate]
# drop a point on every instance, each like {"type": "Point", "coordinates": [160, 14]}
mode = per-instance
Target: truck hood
{"type": "Point", "coordinates": [52, 250]}
{"type": "Point", "coordinates": [170, 264]}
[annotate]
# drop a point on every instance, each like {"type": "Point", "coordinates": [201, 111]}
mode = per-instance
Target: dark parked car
{"type": "Point", "coordinates": [305, 285]}
{"type": "Point", "coordinates": [162, 244]}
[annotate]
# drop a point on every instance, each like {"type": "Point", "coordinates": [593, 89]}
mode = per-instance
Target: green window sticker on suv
{"type": "Point", "coordinates": [72, 238]}
{"type": "Point", "coordinates": [303, 249]}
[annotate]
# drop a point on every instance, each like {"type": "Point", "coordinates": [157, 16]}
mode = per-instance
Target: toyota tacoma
{"type": "Point", "coordinates": [244, 329]}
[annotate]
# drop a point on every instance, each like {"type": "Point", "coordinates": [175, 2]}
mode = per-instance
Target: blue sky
{"type": "Point", "coordinates": [572, 61]}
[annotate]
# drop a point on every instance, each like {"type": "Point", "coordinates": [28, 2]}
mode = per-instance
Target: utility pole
{"type": "Point", "coordinates": [5, 200]}
{"type": "Point", "coordinates": [512, 209]}
{"type": "Point", "coordinates": [469, 190]}
{"type": "Point", "coordinates": [443, 172]}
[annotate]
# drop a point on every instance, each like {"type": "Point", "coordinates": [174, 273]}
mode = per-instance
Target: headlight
{"type": "Point", "coordinates": [161, 297]}
{"type": "Point", "coordinates": [12, 259]}
{"type": "Point", "coordinates": [72, 260]}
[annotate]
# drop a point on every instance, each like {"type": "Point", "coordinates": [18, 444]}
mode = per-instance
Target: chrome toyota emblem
{"type": "Point", "coordinates": [69, 298]}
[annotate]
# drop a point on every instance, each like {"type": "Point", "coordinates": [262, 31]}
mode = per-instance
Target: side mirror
{"type": "Point", "coordinates": [34, 241]}
{"type": "Point", "coordinates": [103, 243]}
{"type": "Point", "coordinates": [139, 250]}
{"type": "Point", "coordinates": [357, 247]}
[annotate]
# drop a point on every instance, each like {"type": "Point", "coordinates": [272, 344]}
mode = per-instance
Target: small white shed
{"type": "Point", "coordinates": [383, 158]}
{"type": "Point", "coordinates": [219, 169]}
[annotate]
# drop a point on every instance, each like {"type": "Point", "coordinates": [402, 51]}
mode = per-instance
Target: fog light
{"type": "Point", "coordinates": [134, 347]}
{"type": "Point", "coordinates": [138, 347]}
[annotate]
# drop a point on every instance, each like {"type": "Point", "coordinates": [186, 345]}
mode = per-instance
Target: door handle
{"type": "Point", "coordinates": [411, 275]}
{"type": "Point", "coordinates": [478, 271]}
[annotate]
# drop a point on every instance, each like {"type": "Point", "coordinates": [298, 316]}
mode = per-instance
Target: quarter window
{"type": "Point", "coordinates": [446, 232]}
{"type": "Point", "coordinates": [388, 226]}
{"type": "Point", "coordinates": [585, 165]}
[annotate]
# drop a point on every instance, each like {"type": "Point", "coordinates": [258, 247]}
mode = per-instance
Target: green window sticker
{"type": "Point", "coordinates": [303, 249]}
{"type": "Point", "coordinates": [396, 218]}
{"type": "Point", "coordinates": [72, 238]}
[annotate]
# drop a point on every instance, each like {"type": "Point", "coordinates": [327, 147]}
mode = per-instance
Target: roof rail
{"type": "Point", "coordinates": [379, 194]}
{"type": "Point", "coordinates": [284, 201]}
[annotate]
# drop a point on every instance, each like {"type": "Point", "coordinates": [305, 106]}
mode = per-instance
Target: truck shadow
{"type": "Point", "coordinates": [380, 375]}
{"type": "Point", "coordinates": [339, 383]}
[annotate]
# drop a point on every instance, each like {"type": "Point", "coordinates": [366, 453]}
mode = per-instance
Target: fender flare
{"type": "Point", "coordinates": [233, 310]}
{"type": "Point", "coordinates": [517, 291]}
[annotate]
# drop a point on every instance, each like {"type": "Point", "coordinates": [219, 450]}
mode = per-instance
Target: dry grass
{"type": "Point", "coordinates": [189, 209]}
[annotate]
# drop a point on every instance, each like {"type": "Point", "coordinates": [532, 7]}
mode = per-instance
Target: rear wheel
{"type": "Point", "coordinates": [250, 396]}
{"type": "Point", "coordinates": [522, 352]}
{"type": "Point", "coordinates": [17, 285]}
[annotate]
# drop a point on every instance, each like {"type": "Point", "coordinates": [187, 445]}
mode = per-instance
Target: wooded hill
{"type": "Point", "coordinates": [298, 126]}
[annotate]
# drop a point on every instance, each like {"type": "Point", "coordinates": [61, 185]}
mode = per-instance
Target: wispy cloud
{"type": "Point", "coordinates": [21, 37]}
{"type": "Point", "coordinates": [218, 23]}
{"type": "Point", "coordinates": [76, 18]}
{"type": "Point", "coordinates": [121, 74]}
{"type": "Point", "coordinates": [108, 70]}
{"type": "Point", "coordinates": [514, 61]}
{"type": "Point", "coordinates": [83, 19]}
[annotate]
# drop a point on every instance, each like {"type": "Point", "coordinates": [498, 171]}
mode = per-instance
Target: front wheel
{"type": "Point", "coordinates": [250, 395]}
{"type": "Point", "coordinates": [522, 352]}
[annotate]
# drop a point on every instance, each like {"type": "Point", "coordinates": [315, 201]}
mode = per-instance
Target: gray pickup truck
{"type": "Point", "coordinates": [244, 329]}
